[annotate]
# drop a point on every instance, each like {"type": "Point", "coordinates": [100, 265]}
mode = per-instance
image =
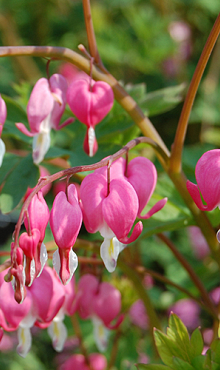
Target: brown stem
{"type": "Point", "coordinates": [77, 330]}
{"type": "Point", "coordinates": [193, 276]}
{"type": "Point", "coordinates": [165, 280]}
{"type": "Point", "coordinates": [90, 32]}
{"type": "Point", "coordinates": [176, 154]}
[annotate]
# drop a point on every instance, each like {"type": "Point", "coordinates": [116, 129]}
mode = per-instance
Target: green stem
{"type": "Point", "coordinates": [134, 277]}
{"type": "Point", "coordinates": [176, 155]}
{"type": "Point", "coordinates": [193, 276]}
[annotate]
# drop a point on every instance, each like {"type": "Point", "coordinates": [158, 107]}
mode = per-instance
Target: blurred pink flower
{"type": "Point", "coordinates": [188, 311]}
{"type": "Point", "coordinates": [78, 362]}
{"type": "Point", "coordinates": [199, 244]}
{"type": "Point", "coordinates": [138, 315]}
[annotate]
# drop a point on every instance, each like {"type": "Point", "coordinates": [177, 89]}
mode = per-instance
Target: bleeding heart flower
{"type": "Point", "coordinates": [65, 222]}
{"type": "Point", "coordinates": [38, 217]}
{"type": "Point", "coordinates": [90, 101]}
{"type": "Point", "coordinates": [110, 209]}
{"type": "Point", "coordinates": [45, 108]}
{"type": "Point", "coordinates": [208, 178]}
{"type": "Point", "coordinates": [100, 302]}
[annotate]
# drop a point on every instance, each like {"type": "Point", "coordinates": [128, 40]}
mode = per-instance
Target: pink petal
{"type": "Point", "coordinates": [195, 194]}
{"type": "Point", "coordinates": [21, 127]}
{"type": "Point", "coordinates": [156, 208]}
{"type": "Point", "coordinates": [92, 192]}
{"type": "Point", "coordinates": [107, 303]}
{"type": "Point", "coordinates": [142, 175]}
{"type": "Point", "coordinates": [13, 312]}
{"type": "Point", "coordinates": [3, 114]}
{"type": "Point", "coordinates": [90, 104]}
{"type": "Point", "coordinates": [120, 207]}
{"type": "Point", "coordinates": [208, 179]}
{"type": "Point", "coordinates": [135, 234]}
{"type": "Point", "coordinates": [28, 243]}
{"type": "Point", "coordinates": [66, 218]}
{"type": "Point", "coordinates": [48, 295]}
{"type": "Point", "coordinates": [40, 104]}
{"type": "Point", "coordinates": [38, 214]}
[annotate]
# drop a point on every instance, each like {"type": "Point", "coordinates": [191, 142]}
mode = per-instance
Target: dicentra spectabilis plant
{"type": "Point", "coordinates": [134, 199]}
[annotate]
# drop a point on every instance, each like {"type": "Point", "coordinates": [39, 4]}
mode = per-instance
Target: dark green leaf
{"type": "Point", "coordinates": [162, 100]}
{"type": "Point", "coordinates": [174, 215]}
{"type": "Point", "coordinates": [152, 367]}
{"type": "Point", "coordinates": [24, 175]}
{"type": "Point", "coordinates": [215, 346]}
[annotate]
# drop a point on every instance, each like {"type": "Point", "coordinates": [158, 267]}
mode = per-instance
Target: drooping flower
{"type": "Point", "coordinates": [3, 114]}
{"type": "Point", "coordinates": [65, 222]}
{"type": "Point", "coordinates": [101, 302]}
{"type": "Point", "coordinates": [45, 108]}
{"type": "Point", "coordinates": [208, 178]}
{"type": "Point", "coordinates": [44, 300]}
{"type": "Point", "coordinates": [141, 173]}
{"type": "Point", "coordinates": [32, 242]}
{"type": "Point", "coordinates": [90, 101]}
{"type": "Point", "coordinates": [110, 209]}
{"type": "Point", "coordinates": [78, 362]}
{"type": "Point", "coordinates": [138, 314]}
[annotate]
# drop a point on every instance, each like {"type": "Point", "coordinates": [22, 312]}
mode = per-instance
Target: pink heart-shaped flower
{"type": "Point", "coordinates": [90, 102]}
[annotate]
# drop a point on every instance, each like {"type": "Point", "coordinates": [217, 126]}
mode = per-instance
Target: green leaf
{"type": "Point", "coordinates": [24, 175]}
{"type": "Point", "coordinates": [152, 367]}
{"type": "Point", "coordinates": [15, 114]}
{"type": "Point", "coordinates": [179, 334]}
{"type": "Point", "coordinates": [196, 343]}
{"type": "Point", "coordinates": [198, 362]}
{"type": "Point", "coordinates": [9, 162]}
{"type": "Point", "coordinates": [174, 214]}
{"type": "Point", "coordinates": [167, 348]}
{"type": "Point", "coordinates": [215, 346]}
{"type": "Point", "coordinates": [180, 364]}
{"type": "Point", "coordinates": [161, 101]}
{"type": "Point", "coordinates": [208, 360]}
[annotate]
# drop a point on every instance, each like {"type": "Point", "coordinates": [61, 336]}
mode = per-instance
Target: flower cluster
{"type": "Point", "coordinates": [48, 301]}
{"type": "Point", "coordinates": [90, 101]}
{"type": "Point", "coordinates": [109, 200]}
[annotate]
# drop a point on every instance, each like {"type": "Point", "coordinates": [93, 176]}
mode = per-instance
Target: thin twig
{"type": "Point", "coordinates": [176, 154]}
{"type": "Point", "coordinates": [193, 276]}
{"type": "Point", "coordinates": [90, 33]}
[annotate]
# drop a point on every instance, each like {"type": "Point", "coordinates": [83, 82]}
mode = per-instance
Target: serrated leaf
{"type": "Point", "coordinates": [163, 100]}
{"type": "Point", "coordinates": [166, 347]}
{"type": "Point", "coordinates": [24, 175]}
{"type": "Point", "coordinates": [152, 367]}
{"type": "Point", "coordinates": [196, 343]}
{"type": "Point", "coordinates": [179, 364]}
{"type": "Point", "coordinates": [178, 333]}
